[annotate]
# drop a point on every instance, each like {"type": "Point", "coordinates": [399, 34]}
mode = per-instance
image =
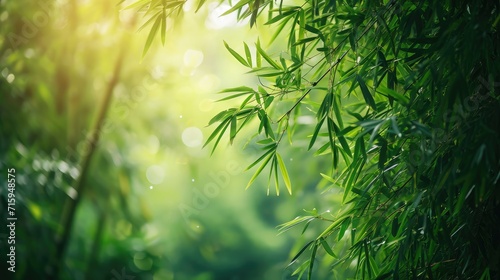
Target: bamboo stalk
{"type": "Point", "coordinates": [72, 204]}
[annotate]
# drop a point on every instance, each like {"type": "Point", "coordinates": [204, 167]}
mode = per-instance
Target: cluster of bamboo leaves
{"type": "Point", "coordinates": [405, 105]}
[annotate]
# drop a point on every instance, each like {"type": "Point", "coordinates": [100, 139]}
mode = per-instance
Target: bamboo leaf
{"type": "Point", "coordinates": [284, 173]}
{"type": "Point", "coordinates": [220, 129]}
{"type": "Point", "coordinates": [270, 150]}
{"type": "Point", "coordinates": [138, 4]}
{"type": "Point", "coordinates": [236, 7]}
{"type": "Point", "coordinates": [163, 30]}
{"type": "Point", "coordinates": [259, 170]}
{"type": "Point", "coordinates": [281, 16]}
{"type": "Point", "coordinates": [300, 252]}
{"type": "Point", "coordinates": [366, 93]}
{"type": "Point", "coordinates": [232, 131]}
{"type": "Point", "coordinates": [382, 158]}
{"type": "Point", "coordinates": [313, 257]}
{"type": "Point", "coordinates": [327, 247]}
{"type": "Point", "coordinates": [200, 4]}
{"type": "Point", "coordinates": [152, 34]}
{"type": "Point", "coordinates": [248, 54]}
{"type": "Point", "coordinates": [267, 57]}
{"type": "Point", "coordinates": [276, 181]}
{"type": "Point", "coordinates": [255, 11]}
{"type": "Point", "coordinates": [236, 55]}
{"type": "Point", "coordinates": [404, 100]}
{"type": "Point", "coordinates": [238, 89]}
{"type": "Point", "coordinates": [301, 269]}
{"type": "Point", "coordinates": [315, 133]}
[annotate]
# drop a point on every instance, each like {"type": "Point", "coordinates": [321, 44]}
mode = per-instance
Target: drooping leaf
{"type": "Point", "coordinates": [284, 173]}
{"type": "Point", "coordinates": [236, 55]}
{"type": "Point", "coordinates": [267, 57]}
{"type": "Point", "coordinates": [152, 34]}
{"type": "Point", "coordinates": [366, 93]}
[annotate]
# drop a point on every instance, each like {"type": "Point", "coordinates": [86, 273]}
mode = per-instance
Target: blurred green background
{"type": "Point", "coordinates": [154, 204]}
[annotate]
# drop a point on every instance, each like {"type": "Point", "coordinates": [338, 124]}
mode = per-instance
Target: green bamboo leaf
{"type": "Point", "coordinates": [248, 54]}
{"type": "Point", "coordinates": [223, 127]}
{"type": "Point", "coordinates": [342, 140]}
{"type": "Point", "coordinates": [301, 269]}
{"type": "Point", "coordinates": [233, 96]}
{"type": "Point", "coordinates": [382, 158]}
{"type": "Point", "coordinates": [236, 7]}
{"type": "Point", "coordinates": [220, 115]}
{"type": "Point", "coordinates": [259, 170]}
{"type": "Point", "coordinates": [258, 59]}
{"type": "Point", "coordinates": [284, 173]}
{"type": "Point", "coordinates": [313, 257]}
{"type": "Point", "coordinates": [404, 100]}
{"type": "Point", "coordinates": [328, 178]}
{"type": "Point", "coordinates": [300, 252]}
{"type": "Point", "coordinates": [306, 226]}
{"type": "Point", "coordinates": [395, 126]}
{"type": "Point", "coordinates": [236, 55]}
{"type": "Point", "coordinates": [163, 30]}
{"type": "Point", "coordinates": [152, 34]}
{"type": "Point", "coordinates": [395, 227]}
{"type": "Point", "coordinates": [255, 12]}
{"type": "Point", "coordinates": [330, 228]}
{"type": "Point", "coordinates": [266, 141]}
{"type": "Point", "coordinates": [276, 181]}
{"type": "Point", "coordinates": [382, 60]}
{"type": "Point", "coordinates": [268, 101]}
{"type": "Point", "coordinates": [327, 247]}
{"type": "Point", "coordinates": [237, 89]}
{"type": "Point", "coordinates": [312, 29]}
{"type": "Point", "coordinates": [139, 4]}
{"type": "Point", "coordinates": [267, 57]}
{"type": "Point", "coordinates": [352, 40]}
{"type": "Point", "coordinates": [200, 4]}
{"type": "Point", "coordinates": [315, 133]}
{"type": "Point", "coordinates": [281, 16]}
{"type": "Point", "coordinates": [290, 224]}
{"type": "Point", "coordinates": [232, 131]}
{"type": "Point", "coordinates": [343, 228]}
{"type": "Point", "coordinates": [323, 150]}
{"type": "Point", "coordinates": [269, 150]}
{"type": "Point", "coordinates": [174, 4]}
{"type": "Point", "coordinates": [331, 139]}
{"type": "Point", "coordinates": [366, 93]}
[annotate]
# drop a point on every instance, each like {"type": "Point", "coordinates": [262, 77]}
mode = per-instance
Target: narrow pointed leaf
{"type": "Point", "coordinates": [284, 173]}
{"type": "Point", "coordinates": [259, 170]}
{"type": "Point", "coordinates": [236, 55]}
{"type": "Point", "coordinates": [267, 57]}
{"type": "Point", "coordinates": [327, 247]}
{"type": "Point", "coordinates": [152, 34]}
{"type": "Point", "coordinates": [366, 93]}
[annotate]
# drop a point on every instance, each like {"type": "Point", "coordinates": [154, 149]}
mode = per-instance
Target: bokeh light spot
{"type": "Point", "coordinates": [193, 58]}
{"type": "Point", "coordinates": [192, 137]}
{"type": "Point", "coordinates": [155, 174]}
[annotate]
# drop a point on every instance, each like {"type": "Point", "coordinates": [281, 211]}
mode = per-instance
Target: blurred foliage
{"type": "Point", "coordinates": [402, 99]}
{"type": "Point", "coordinates": [146, 206]}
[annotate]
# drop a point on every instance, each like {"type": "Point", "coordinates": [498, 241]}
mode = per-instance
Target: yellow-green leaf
{"type": "Point", "coordinates": [284, 173]}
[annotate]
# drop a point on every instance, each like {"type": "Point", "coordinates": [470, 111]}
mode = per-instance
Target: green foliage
{"type": "Point", "coordinates": [405, 100]}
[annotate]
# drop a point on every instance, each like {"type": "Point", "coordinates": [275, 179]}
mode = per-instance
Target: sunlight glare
{"type": "Point", "coordinates": [216, 21]}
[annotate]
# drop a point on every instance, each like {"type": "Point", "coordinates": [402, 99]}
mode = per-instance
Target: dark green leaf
{"type": "Point", "coordinates": [366, 93]}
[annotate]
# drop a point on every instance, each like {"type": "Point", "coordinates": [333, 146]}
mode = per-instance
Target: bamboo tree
{"type": "Point", "coordinates": [408, 117]}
